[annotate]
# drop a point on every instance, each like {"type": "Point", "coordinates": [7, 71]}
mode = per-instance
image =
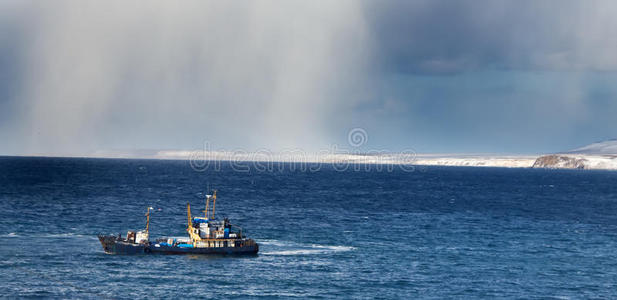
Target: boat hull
{"type": "Point", "coordinates": [113, 245]}
{"type": "Point", "coordinates": [160, 249]}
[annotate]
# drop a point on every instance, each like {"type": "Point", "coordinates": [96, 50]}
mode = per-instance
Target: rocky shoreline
{"type": "Point", "coordinates": [572, 161]}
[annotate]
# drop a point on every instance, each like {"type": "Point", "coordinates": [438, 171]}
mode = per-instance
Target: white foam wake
{"type": "Point", "coordinates": [275, 247]}
{"type": "Point", "coordinates": [49, 235]}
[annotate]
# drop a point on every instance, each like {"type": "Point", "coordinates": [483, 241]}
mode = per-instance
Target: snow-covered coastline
{"type": "Point", "coordinates": [479, 161]}
{"type": "Point", "coordinates": [577, 161]}
{"type": "Point", "coordinates": [596, 156]}
{"type": "Point", "coordinates": [563, 161]}
{"type": "Point", "coordinates": [461, 160]}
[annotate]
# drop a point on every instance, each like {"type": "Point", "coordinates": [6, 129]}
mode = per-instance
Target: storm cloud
{"type": "Point", "coordinates": [448, 76]}
{"type": "Point", "coordinates": [453, 36]}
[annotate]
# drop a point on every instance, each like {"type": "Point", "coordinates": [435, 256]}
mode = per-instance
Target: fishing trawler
{"type": "Point", "coordinates": [206, 235]}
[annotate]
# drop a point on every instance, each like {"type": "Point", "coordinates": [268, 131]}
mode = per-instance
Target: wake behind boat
{"type": "Point", "coordinates": [207, 235]}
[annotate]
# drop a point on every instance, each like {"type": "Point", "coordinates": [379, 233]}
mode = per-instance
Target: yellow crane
{"type": "Point", "coordinates": [193, 232]}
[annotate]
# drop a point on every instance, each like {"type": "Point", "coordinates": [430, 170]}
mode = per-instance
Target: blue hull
{"type": "Point", "coordinates": [114, 245]}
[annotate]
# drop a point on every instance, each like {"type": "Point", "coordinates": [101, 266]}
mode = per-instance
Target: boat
{"type": "Point", "coordinates": [206, 235]}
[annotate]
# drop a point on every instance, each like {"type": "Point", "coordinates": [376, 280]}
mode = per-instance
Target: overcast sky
{"type": "Point", "coordinates": [436, 76]}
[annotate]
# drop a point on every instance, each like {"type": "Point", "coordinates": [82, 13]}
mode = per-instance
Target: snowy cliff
{"type": "Point", "coordinates": [599, 156]}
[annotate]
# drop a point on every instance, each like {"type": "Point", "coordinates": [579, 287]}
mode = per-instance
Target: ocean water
{"type": "Point", "coordinates": [431, 233]}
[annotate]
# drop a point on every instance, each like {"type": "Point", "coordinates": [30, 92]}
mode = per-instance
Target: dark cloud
{"type": "Point", "coordinates": [445, 37]}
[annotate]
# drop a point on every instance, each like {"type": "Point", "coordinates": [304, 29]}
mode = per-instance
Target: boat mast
{"type": "Point", "coordinates": [213, 204]}
{"type": "Point", "coordinates": [207, 204]}
{"type": "Point", "coordinates": [148, 219]}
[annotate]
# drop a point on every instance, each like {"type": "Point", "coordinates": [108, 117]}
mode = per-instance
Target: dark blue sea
{"type": "Point", "coordinates": [433, 232]}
